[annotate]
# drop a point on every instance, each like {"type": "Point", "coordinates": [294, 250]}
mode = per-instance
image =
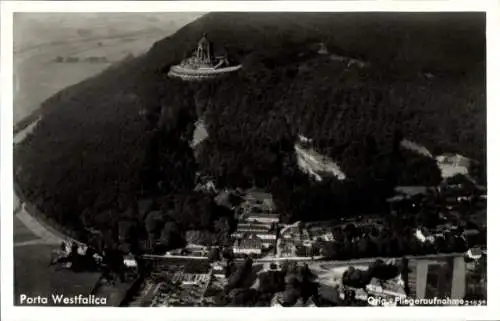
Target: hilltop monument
{"type": "Point", "coordinates": [203, 63]}
{"type": "Point", "coordinates": [204, 51]}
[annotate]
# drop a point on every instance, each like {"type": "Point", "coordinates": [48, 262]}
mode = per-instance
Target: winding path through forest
{"type": "Point", "coordinates": [42, 233]}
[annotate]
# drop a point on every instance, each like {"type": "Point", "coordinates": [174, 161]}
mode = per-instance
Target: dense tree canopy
{"type": "Point", "coordinates": [107, 142]}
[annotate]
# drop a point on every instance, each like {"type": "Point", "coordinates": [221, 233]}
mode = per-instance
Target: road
{"type": "Point", "coordinates": [41, 233]}
{"type": "Point", "coordinates": [44, 235]}
{"type": "Point", "coordinates": [318, 259]}
{"type": "Point", "coordinates": [282, 231]}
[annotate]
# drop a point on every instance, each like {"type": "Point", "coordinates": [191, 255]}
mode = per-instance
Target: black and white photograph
{"type": "Point", "coordinates": [249, 159]}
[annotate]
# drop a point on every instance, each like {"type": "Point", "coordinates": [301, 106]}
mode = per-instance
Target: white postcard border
{"type": "Point", "coordinates": [9, 312]}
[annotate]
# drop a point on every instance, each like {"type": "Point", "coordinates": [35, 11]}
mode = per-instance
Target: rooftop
{"type": "Point", "coordinates": [248, 231]}
{"type": "Point", "coordinates": [272, 215]}
{"type": "Point", "coordinates": [412, 190]}
{"type": "Point", "coordinates": [251, 242]}
{"type": "Point", "coordinates": [244, 223]}
{"type": "Point", "coordinates": [248, 244]}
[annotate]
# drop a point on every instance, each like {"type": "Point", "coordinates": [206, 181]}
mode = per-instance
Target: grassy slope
{"type": "Point", "coordinates": [98, 141]}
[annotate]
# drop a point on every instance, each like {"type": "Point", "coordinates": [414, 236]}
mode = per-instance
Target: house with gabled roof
{"type": "Point", "coordinates": [249, 244]}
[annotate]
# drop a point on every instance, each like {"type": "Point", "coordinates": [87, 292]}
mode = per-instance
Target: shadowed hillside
{"type": "Point", "coordinates": [126, 132]}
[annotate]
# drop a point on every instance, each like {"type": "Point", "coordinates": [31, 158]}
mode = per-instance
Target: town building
{"type": "Point", "coordinates": [412, 191]}
{"type": "Point", "coordinates": [470, 232]}
{"type": "Point", "coordinates": [271, 236]}
{"type": "Point", "coordinates": [327, 236]}
{"type": "Point", "coordinates": [453, 164]}
{"type": "Point", "coordinates": [268, 242]}
{"type": "Point", "coordinates": [304, 250]}
{"type": "Point", "coordinates": [287, 247]}
{"type": "Point", "coordinates": [191, 250]}
{"type": "Point", "coordinates": [268, 218]}
{"type": "Point", "coordinates": [129, 261]}
{"type": "Point", "coordinates": [267, 239]}
{"type": "Point", "coordinates": [218, 270]}
{"type": "Point", "coordinates": [246, 226]}
{"type": "Point", "coordinates": [262, 231]}
{"type": "Point", "coordinates": [208, 187]}
{"type": "Point", "coordinates": [424, 236]}
{"type": "Point", "coordinates": [248, 245]}
{"type": "Point", "coordinates": [474, 254]}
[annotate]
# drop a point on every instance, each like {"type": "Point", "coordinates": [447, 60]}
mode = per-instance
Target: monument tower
{"type": "Point", "coordinates": [204, 51]}
{"type": "Point", "coordinates": [203, 64]}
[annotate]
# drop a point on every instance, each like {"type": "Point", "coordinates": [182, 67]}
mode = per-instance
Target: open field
{"type": "Point", "coordinates": [40, 38]}
{"type": "Point", "coordinates": [34, 276]}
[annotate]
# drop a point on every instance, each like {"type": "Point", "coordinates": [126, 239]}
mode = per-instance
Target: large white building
{"type": "Point", "coordinates": [129, 261]}
{"type": "Point", "coordinates": [267, 218]}
{"type": "Point", "coordinates": [267, 239]}
{"type": "Point", "coordinates": [424, 237]}
{"type": "Point", "coordinates": [249, 245]}
{"type": "Point", "coordinates": [243, 228]}
{"type": "Point", "coordinates": [261, 230]}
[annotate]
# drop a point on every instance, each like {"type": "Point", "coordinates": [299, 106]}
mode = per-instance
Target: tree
{"type": "Point", "coordinates": [329, 249]}
{"type": "Point", "coordinates": [244, 297]}
{"type": "Point", "coordinates": [356, 278]}
{"type": "Point", "coordinates": [383, 271]}
{"type": "Point", "coordinates": [214, 254]}
{"type": "Point", "coordinates": [271, 282]}
{"type": "Point", "coordinates": [229, 269]}
{"type": "Point", "coordinates": [254, 117]}
{"type": "Point", "coordinates": [154, 222]}
{"type": "Point", "coordinates": [127, 230]}
{"type": "Point", "coordinates": [238, 278]}
{"type": "Point", "coordinates": [290, 296]}
{"type": "Point", "coordinates": [363, 247]}
{"type": "Point", "coordinates": [113, 259]}
{"type": "Point", "coordinates": [350, 231]}
{"type": "Point", "coordinates": [170, 236]}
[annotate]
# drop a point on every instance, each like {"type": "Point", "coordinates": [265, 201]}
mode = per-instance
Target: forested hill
{"type": "Point", "coordinates": [424, 61]}
{"type": "Point", "coordinates": [103, 142]}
